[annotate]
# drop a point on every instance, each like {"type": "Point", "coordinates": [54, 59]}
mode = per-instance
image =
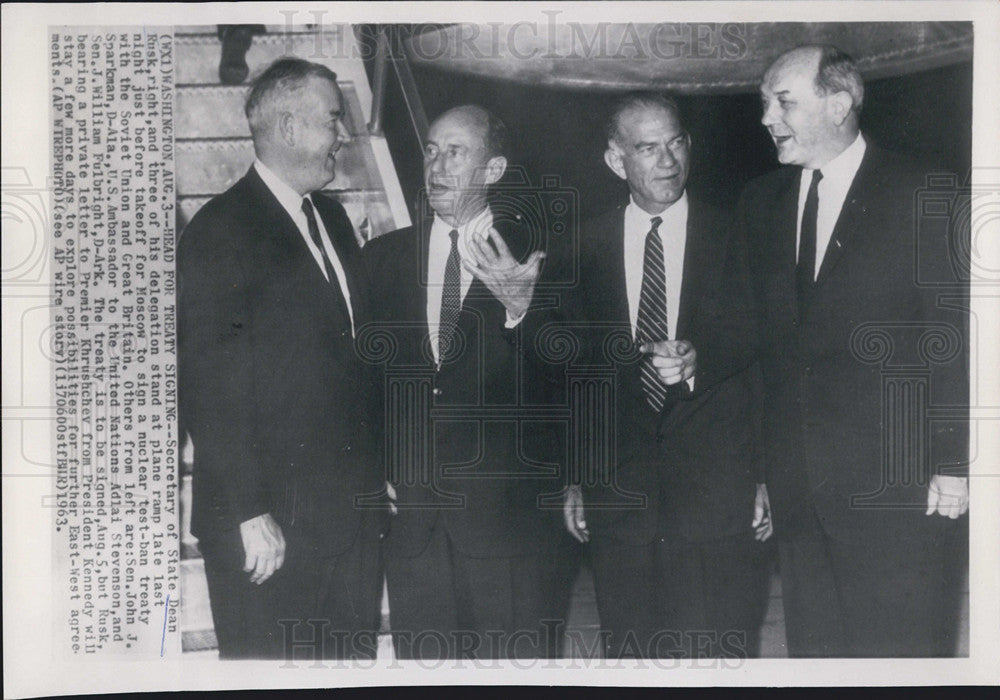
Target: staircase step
{"type": "Point", "coordinates": [197, 55]}
{"type": "Point", "coordinates": [370, 204]}
{"type": "Point", "coordinates": [216, 111]}
{"type": "Point", "coordinates": [213, 166]}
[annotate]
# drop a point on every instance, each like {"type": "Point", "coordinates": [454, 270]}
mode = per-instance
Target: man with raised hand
{"type": "Point", "coordinates": [466, 562]}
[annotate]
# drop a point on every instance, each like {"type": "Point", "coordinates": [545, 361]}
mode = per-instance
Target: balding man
{"type": "Point", "coordinates": [864, 494]}
{"type": "Point", "coordinates": [464, 559]}
{"type": "Point", "coordinates": [279, 406]}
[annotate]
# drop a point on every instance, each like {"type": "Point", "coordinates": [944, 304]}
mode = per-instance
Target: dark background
{"type": "Point", "coordinates": [559, 132]}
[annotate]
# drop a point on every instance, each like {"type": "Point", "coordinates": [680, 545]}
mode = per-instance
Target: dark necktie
{"type": "Point", "coordinates": [331, 274]}
{"type": "Point", "coordinates": [805, 272]}
{"type": "Point", "coordinates": [451, 300]}
{"type": "Point", "coordinates": [651, 322]}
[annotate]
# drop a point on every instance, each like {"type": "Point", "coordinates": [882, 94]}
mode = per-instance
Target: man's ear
{"type": "Point", "coordinates": [614, 160]}
{"type": "Point", "coordinates": [286, 128]}
{"type": "Point", "coordinates": [840, 106]}
{"type": "Point", "coordinates": [495, 168]}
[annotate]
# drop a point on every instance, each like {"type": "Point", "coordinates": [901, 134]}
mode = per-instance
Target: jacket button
{"type": "Point", "coordinates": [436, 391]}
{"type": "Point", "coordinates": [659, 438]}
{"type": "Point", "coordinates": [347, 448]}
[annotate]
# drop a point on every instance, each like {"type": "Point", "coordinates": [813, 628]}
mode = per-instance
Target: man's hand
{"type": "Point", "coordinates": [674, 360]}
{"type": "Point", "coordinates": [948, 495]}
{"type": "Point", "coordinates": [763, 528]}
{"type": "Point", "coordinates": [573, 514]}
{"type": "Point", "coordinates": [511, 282]}
{"type": "Point", "coordinates": [264, 546]}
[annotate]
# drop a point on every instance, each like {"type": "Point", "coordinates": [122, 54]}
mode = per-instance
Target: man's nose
{"type": "Point", "coordinates": [343, 135]}
{"type": "Point", "coordinates": [437, 163]}
{"type": "Point", "coordinates": [768, 117]}
{"type": "Point", "coordinates": [667, 158]}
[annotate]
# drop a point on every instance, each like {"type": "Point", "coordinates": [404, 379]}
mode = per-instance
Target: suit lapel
{"type": "Point", "coordinates": [784, 223]}
{"type": "Point", "coordinates": [700, 258]}
{"type": "Point", "coordinates": [864, 184]}
{"type": "Point", "coordinates": [611, 252]}
{"type": "Point", "coordinates": [279, 226]}
{"type": "Point", "coordinates": [341, 234]}
{"type": "Point", "coordinates": [423, 245]}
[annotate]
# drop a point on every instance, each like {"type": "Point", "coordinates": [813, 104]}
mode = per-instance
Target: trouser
{"type": "Point", "coordinates": [313, 607]}
{"type": "Point", "coordinates": [670, 599]}
{"type": "Point", "coordinates": [444, 604]}
{"type": "Point", "coordinates": [869, 597]}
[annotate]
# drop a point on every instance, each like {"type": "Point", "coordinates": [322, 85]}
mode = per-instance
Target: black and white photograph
{"type": "Point", "coordinates": [497, 343]}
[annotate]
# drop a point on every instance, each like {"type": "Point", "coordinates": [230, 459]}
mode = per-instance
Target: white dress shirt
{"type": "Point", "coordinates": [673, 235]}
{"type": "Point", "coordinates": [437, 261]}
{"type": "Point", "coordinates": [439, 248]}
{"type": "Point", "coordinates": [838, 175]}
{"type": "Point", "coordinates": [291, 201]}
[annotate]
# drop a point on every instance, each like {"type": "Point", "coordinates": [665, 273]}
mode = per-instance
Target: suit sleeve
{"type": "Point", "coordinates": [217, 366]}
{"type": "Point", "coordinates": [942, 259]}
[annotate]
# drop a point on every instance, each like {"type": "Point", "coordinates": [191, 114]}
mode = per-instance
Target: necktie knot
{"type": "Point", "coordinates": [454, 236]}
{"type": "Point", "coordinates": [654, 224]}
{"type": "Point", "coordinates": [307, 207]}
{"type": "Point", "coordinates": [817, 176]}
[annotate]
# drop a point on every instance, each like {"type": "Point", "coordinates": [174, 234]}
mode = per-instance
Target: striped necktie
{"type": "Point", "coordinates": [651, 322]}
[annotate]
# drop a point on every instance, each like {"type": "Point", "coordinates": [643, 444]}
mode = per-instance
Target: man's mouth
{"type": "Point", "coordinates": [781, 140]}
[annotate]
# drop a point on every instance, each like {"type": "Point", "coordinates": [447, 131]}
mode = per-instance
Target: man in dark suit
{"type": "Point", "coordinates": [854, 351]}
{"type": "Point", "coordinates": [465, 560]}
{"type": "Point", "coordinates": [279, 406]}
{"type": "Point", "coordinates": [668, 502]}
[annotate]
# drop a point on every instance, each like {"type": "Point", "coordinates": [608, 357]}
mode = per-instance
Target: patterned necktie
{"type": "Point", "coordinates": [651, 322]}
{"type": "Point", "coordinates": [805, 271]}
{"type": "Point", "coordinates": [331, 275]}
{"type": "Point", "coordinates": [451, 300]}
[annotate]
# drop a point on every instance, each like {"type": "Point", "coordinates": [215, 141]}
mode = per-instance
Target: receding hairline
{"type": "Point", "coordinates": [669, 107]}
{"type": "Point", "coordinates": [485, 123]}
{"type": "Point", "coordinates": [800, 57]}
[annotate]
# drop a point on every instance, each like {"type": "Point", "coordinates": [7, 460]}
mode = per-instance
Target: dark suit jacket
{"type": "Point", "coordinates": [691, 467]}
{"type": "Point", "coordinates": [278, 404]}
{"type": "Point", "coordinates": [481, 470]}
{"type": "Point", "coordinates": [835, 423]}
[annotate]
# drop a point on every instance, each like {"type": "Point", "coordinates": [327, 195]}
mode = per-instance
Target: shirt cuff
{"type": "Point", "coordinates": [690, 383]}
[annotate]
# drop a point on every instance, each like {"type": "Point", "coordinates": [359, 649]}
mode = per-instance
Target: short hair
{"type": "Point", "coordinates": [495, 138]}
{"type": "Point", "coordinates": [273, 88]}
{"type": "Point", "coordinates": [837, 72]}
{"type": "Point", "coordinates": [496, 135]}
{"type": "Point", "coordinates": [636, 100]}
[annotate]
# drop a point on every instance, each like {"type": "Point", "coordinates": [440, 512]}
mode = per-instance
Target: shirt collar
{"type": "Point", "coordinates": [844, 167]}
{"type": "Point", "coordinates": [289, 199]}
{"type": "Point", "coordinates": [481, 223]}
{"type": "Point", "coordinates": [637, 220]}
